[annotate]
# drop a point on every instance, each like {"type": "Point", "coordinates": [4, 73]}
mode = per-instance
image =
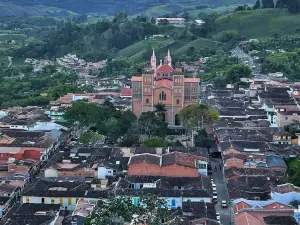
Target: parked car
{"type": "Point", "coordinates": [218, 217]}
{"type": "Point", "coordinates": [213, 185]}
{"type": "Point", "coordinates": [214, 189]}
{"type": "Point", "coordinates": [215, 199]}
{"type": "Point", "coordinates": [224, 204]}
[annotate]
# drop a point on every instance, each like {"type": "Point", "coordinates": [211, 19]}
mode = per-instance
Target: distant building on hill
{"type": "Point", "coordinates": [166, 85]}
{"type": "Point", "coordinates": [171, 21]}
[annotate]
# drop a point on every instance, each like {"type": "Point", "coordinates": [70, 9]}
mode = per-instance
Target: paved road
{"type": "Point", "coordinates": [222, 194]}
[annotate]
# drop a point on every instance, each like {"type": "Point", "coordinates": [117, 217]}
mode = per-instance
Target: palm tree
{"type": "Point", "coordinates": [160, 110]}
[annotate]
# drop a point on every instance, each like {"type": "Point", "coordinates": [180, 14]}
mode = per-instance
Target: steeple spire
{"type": "Point", "coordinates": [169, 58]}
{"type": "Point", "coordinates": [153, 60]}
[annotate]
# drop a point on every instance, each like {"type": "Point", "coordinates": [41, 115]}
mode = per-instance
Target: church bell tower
{"type": "Point", "coordinates": [153, 61]}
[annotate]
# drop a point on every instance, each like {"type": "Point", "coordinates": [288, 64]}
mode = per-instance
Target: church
{"type": "Point", "coordinates": [163, 84]}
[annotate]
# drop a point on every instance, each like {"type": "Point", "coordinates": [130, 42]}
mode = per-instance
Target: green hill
{"type": "Point", "coordinates": [138, 51]}
{"type": "Point", "coordinates": [259, 23]}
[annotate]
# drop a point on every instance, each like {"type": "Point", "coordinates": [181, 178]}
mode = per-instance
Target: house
{"type": "Point", "coordinates": [10, 192]}
{"type": "Point", "coordinates": [235, 172]}
{"type": "Point", "coordinates": [287, 117]}
{"type": "Point", "coordinates": [64, 193]}
{"type": "Point", "coordinates": [175, 164]}
{"type": "Point", "coordinates": [276, 162]}
{"type": "Point", "coordinates": [175, 190]}
{"type": "Point", "coordinates": [273, 213]}
{"type": "Point", "coordinates": [252, 187]}
{"type": "Point", "coordinates": [172, 21]}
{"type": "Point", "coordinates": [82, 210]}
{"type": "Point", "coordinates": [282, 138]}
{"type": "Point", "coordinates": [126, 93]}
{"type": "Point", "coordinates": [33, 214]}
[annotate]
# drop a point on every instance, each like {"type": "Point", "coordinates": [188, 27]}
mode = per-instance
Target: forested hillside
{"type": "Point", "coordinates": [111, 7]}
{"type": "Point", "coordinates": [93, 41]}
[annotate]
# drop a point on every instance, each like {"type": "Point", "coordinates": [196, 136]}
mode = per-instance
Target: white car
{"type": "Point", "coordinates": [224, 204]}
{"type": "Point", "coordinates": [218, 217]}
{"type": "Point", "coordinates": [213, 185]}
{"type": "Point", "coordinates": [214, 189]}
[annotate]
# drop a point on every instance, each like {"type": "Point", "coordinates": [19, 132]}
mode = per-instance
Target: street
{"type": "Point", "coordinates": [222, 193]}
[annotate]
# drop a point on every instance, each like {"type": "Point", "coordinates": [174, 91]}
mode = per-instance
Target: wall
{"type": "Point", "coordinates": [143, 169]}
{"type": "Point", "coordinates": [276, 197]}
{"type": "Point", "coordinates": [234, 162]}
{"type": "Point", "coordinates": [51, 173]}
{"type": "Point", "coordinates": [176, 202]}
{"type": "Point", "coordinates": [70, 203]}
{"type": "Point", "coordinates": [283, 120]}
{"type": "Point", "coordinates": [103, 172]}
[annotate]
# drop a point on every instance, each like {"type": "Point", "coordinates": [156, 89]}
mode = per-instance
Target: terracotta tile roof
{"type": "Point", "coordinates": [165, 68]}
{"type": "Point", "coordinates": [126, 92]}
{"type": "Point", "coordinates": [164, 82]}
{"type": "Point", "coordinates": [245, 218]}
{"type": "Point", "coordinates": [136, 78]}
{"type": "Point", "coordinates": [277, 205]}
{"type": "Point", "coordinates": [180, 158]}
{"type": "Point", "coordinates": [192, 80]}
{"type": "Point", "coordinates": [241, 205]}
{"type": "Point", "coordinates": [145, 158]}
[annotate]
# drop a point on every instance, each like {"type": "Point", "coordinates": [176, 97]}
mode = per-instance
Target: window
{"type": "Point", "coordinates": [194, 90]}
{"type": "Point", "coordinates": [27, 200]}
{"type": "Point", "coordinates": [69, 201]}
{"type": "Point", "coordinates": [162, 96]}
{"type": "Point", "coordinates": [147, 100]}
{"type": "Point", "coordinates": [286, 118]}
{"type": "Point", "coordinates": [177, 102]}
{"type": "Point", "coordinates": [52, 200]}
{"type": "Point", "coordinates": [201, 166]}
{"type": "Point", "coordinates": [43, 200]}
{"type": "Point", "coordinates": [61, 201]}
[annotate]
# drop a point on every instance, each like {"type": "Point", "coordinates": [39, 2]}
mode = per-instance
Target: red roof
{"type": "Point", "coordinates": [135, 78]}
{"type": "Point", "coordinates": [126, 92]}
{"type": "Point", "coordinates": [241, 205]}
{"type": "Point", "coordinates": [277, 205]}
{"type": "Point", "coordinates": [245, 218]}
{"type": "Point", "coordinates": [164, 82]}
{"type": "Point", "coordinates": [165, 68]}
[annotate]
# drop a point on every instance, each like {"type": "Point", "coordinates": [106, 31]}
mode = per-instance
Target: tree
{"type": "Point", "coordinates": [150, 124]}
{"type": "Point", "coordinates": [154, 142]}
{"type": "Point", "coordinates": [294, 171]}
{"type": "Point", "coordinates": [131, 137]}
{"type": "Point", "coordinates": [257, 5]}
{"type": "Point", "coordinates": [89, 138]}
{"type": "Point", "coordinates": [268, 4]}
{"type": "Point", "coordinates": [160, 110]}
{"type": "Point", "coordinates": [185, 15]}
{"type": "Point", "coordinates": [120, 210]}
{"type": "Point", "coordinates": [202, 139]}
{"type": "Point", "coordinates": [237, 71]}
{"type": "Point", "coordinates": [198, 115]}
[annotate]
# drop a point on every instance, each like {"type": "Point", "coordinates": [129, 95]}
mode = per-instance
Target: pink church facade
{"type": "Point", "coordinates": [166, 85]}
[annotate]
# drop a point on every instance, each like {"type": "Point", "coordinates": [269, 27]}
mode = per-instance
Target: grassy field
{"type": "Point", "coordinates": [197, 44]}
{"type": "Point", "coordinates": [259, 23]}
{"type": "Point", "coordinates": [142, 46]}
{"type": "Point", "coordinates": [221, 7]}
{"type": "Point", "coordinates": [280, 57]}
{"type": "Point", "coordinates": [16, 37]}
{"type": "Point", "coordinates": [177, 47]}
